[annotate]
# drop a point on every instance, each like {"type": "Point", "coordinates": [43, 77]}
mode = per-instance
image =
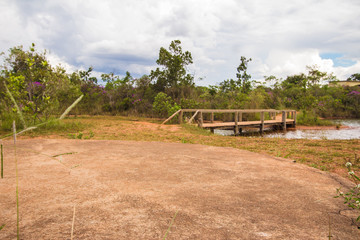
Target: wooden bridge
{"type": "Point", "coordinates": [205, 118]}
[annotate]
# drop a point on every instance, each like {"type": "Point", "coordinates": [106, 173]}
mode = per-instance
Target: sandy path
{"type": "Point", "coordinates": [131, 190]}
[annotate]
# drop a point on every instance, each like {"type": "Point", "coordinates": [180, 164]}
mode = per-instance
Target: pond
{"type": "Point", "coordinates": [351, 132]}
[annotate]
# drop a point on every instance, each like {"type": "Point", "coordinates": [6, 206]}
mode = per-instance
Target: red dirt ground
{"type": "Point", "coordinates": [131, 190]}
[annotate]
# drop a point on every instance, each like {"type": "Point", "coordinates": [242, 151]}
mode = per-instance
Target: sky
{"type": "Point", "coordinates": [281, 37]}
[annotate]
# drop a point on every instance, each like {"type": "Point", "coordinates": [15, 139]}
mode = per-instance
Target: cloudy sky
{"type": "Point", "coordinates": [280, 36]}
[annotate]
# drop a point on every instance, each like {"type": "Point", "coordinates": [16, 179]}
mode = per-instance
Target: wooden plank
{"type": "Point", "coordinates": [171, 117]}
{"type": "Point", "coordinates": [192, 118]}
{"type": "Point", "coordinates": [246, 123]}
{"type": "Point", "coordinates": [231, 110]}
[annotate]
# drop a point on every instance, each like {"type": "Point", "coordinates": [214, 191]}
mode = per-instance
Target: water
{"type": "Point", "coordinates": [353, 132]}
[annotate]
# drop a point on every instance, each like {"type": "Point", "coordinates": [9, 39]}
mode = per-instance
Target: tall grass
{"type": "Point", "coordinates": [16, 106]}
{"type": "Point", "coordinates": [15, 133]}
{"type": "Point", "coordinates": [172, 222]}
{"type": "Point", "coordinates": [17, 186]}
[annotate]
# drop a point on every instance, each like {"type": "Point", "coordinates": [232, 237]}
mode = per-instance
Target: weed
{"type": "Point", "coordinates": [324, 168]}
{"type": "Point", "coordinates": [352, 197]}
{"type": "Point", "coordinates": [72, 136]}
{"type": "Point", "coordinates": [91, 134]}
{"type": "Point", "coordinates": [314, 165]}
{"type": "Point", "coordinates": [80, 135]}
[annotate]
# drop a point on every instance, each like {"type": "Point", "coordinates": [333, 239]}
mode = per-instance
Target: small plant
{"type": "Point", "coordinates": [352, 197]}
{"type": "Point", "coordinates": [91, 134]}
{"type": "Point", "coordinates": [80, 135]}
{"type": "Point", "coordinates": [72, 136]}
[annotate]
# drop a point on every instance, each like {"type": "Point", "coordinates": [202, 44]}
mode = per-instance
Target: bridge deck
{"type": "Point", "coordinates": [245, 123]}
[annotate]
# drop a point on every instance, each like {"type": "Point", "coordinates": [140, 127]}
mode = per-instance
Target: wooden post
{"type": "Point", "coordinates": [236, 129]}
{"type": "Point", "coordinates": [171, 116]}
{"type": "Point", "coordinates": [240, 116]}
{"type": "Point", "coordinates": [192, 118]}
{"type": "Point", "coordinates": [284, 120]}
{"type": "Point", "coordinates": [294, 118]}
{"type": "Point", "coordinates": [201, 119]}
{"type": "Point", "coordinates": [212, 117]}
{"type": "Point", "coordinates": [181, 117]}
{"type": "Point", "coordinates": [262, 122]}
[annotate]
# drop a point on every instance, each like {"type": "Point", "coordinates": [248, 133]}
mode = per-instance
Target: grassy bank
{"type": "Point", "coordinates": [327, 155]}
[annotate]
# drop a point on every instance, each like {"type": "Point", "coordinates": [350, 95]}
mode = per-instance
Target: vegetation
{"type": "Point", "coordinates": [352, 197]}
{"type": "Point", "coordinates": [40, 90]}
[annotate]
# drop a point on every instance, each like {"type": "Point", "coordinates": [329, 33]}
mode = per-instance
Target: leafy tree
{"type": "Point", "coordinates": [173, 73]}
{"type": "Point", "coordinates": [36, 86]}
{"type": "Point", "coordinates": [354, 77]}
{"type": "Point", "coordinates": [243, 78]}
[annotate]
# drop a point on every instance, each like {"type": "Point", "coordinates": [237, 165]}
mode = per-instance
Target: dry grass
{"type": "Point", "coordinates": [327, 155]}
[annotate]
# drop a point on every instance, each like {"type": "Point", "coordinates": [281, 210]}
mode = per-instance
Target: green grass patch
{"type": "Point", "coordinates": [306, 118]}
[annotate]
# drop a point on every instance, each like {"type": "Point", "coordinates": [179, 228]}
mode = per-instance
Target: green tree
{"type": "Point", "coordinates": [173, 74]}
{"type": "Point", "coordinates": [354, 77]}
{"type": "Point", "coordinates": [243, 78]}
{"type": "Point", "coordinates": [37, 87]}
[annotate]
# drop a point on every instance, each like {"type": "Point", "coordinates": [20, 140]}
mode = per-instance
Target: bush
{"type": "Point", "coordinates": [164, 106]}
{"type": "Point", "coordinates": [307, 118]}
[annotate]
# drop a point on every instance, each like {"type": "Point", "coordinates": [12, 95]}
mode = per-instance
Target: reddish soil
{"type": "Point", "coordinates": [131, 190]}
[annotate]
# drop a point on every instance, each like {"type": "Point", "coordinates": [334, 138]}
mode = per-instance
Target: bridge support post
{"type": "Point", "coordinates": [284, 120]}
{"type": "Point", "coordinates": [212, 117]}
{"type": "Point", "coordinates": [294, 118]}
{"type": "Point", "coordinates": [236, 129]}
{"type": "Point", "coordinates": [201, 120]}
{"type": "Point", "coordinates": [262, 122]}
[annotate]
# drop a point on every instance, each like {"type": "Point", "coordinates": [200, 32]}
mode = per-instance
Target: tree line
{"type": "Point", "coordinates": [42, 91]}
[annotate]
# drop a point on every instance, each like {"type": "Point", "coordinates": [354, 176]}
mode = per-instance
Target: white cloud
{"type": "Point", "coordinates": [281, 37]}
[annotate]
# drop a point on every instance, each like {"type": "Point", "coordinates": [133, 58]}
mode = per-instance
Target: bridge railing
{"type": "Point", "coordinates": [238, 115]}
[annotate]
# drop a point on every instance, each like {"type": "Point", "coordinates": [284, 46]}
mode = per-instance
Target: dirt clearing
{"type": "Point", "coordinates": [131, 190]}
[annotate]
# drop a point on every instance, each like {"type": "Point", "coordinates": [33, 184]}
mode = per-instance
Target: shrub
{"type": "Point", "coordinates": [164, 106]}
